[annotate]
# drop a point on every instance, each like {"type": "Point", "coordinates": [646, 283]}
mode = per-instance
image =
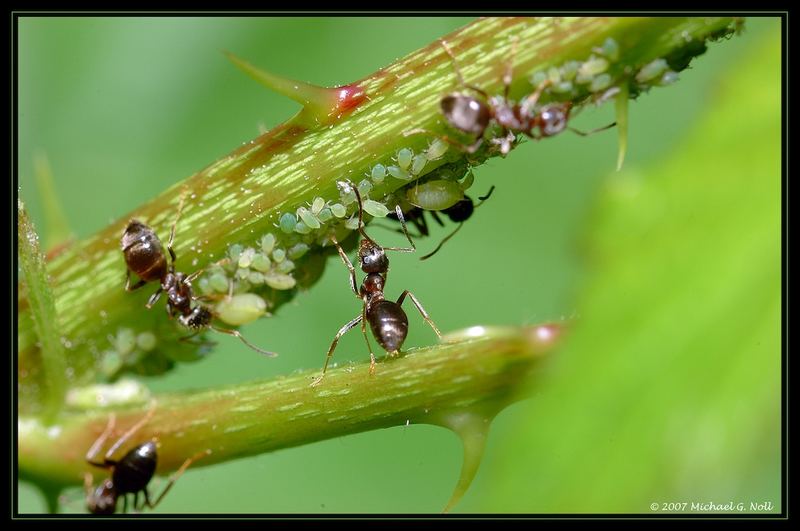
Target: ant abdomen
{"type": "Point", "coordinates": [143, 252]}
{"type": "Point", "coordinates": [389, 324]}
{"type": "Point", "coordinates": [135, 470]}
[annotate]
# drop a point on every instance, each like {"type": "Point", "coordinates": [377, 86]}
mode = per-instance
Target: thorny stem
{"type": "Point", "coordinates": [242, 195]}
{"type": "Point", "coordinates": [436, 385]}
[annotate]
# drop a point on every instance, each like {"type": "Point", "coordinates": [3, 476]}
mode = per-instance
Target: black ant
{"type": "Point", "coordinates": [387, 319]}
{"type": "Point", "coordinates": [144, 255]}
{"type": "Point", "coordinates": [472, 116]}
{"type": "Point", "coordinates": [129, 475]}
{"type": "Point", "coordinates": [458, 213]}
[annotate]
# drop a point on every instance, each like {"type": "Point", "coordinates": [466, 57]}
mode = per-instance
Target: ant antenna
{"type": "Point", "coordinates": [238, 334]}
{"type": "Point", "coordinates": [458, 71]}
{"type": "Point", "coordinates": [441, 243]}
{"type": "Point", "coordinates": [481, 201]}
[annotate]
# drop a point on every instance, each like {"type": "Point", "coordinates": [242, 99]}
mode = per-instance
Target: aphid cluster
{"type": "Point", "coordinates": [387, 320]}
{"type": "Point", "coordinates": [144, 255]}
{"type": "Point", "coordinates": [129, 475]}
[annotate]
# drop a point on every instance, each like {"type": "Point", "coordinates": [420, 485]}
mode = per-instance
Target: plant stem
{"type": "Point", "coordinates": [431, 385]}
{"type": "Point", "coordinates": [243, 195]}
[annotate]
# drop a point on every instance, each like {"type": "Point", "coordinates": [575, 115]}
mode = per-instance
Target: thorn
{"type": "Point", "coordinates": [56, 229]}
{"type": "Point", "coordinates": [622, 123]}
{"type": "Point", "coordinates": [321, 106]}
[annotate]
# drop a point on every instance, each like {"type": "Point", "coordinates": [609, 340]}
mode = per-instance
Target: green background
{"type": "Point", "coordinates": [126, 107]}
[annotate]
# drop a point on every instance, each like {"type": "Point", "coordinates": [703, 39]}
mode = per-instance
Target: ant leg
{"type": "Point", "coordinates": [342, 331]}
{"type": "Point", "coordinates": [467, 148]}
{"type": "Point", "coordinates": [420, 308]}
{"type": "Point", "coordinates": [593, 131]}
{"type": "Point", "coordinates": [366, 338]}
{"type": "Point", "coordinates": [507, 77]}
{"type": "Point", "coordinates": [413, 247]}
{"type": "Point", "coordinates": [154, 298]}
{"type": "Point", "coordinates": [128, 286]}
{"type": "Point", "coordinates": [485, 197]}
{"type": "Point", "coordinates": [174, 223]}
{"type": "Point", "coordinates": [238, 334]}
{"type": "Point", "coordinates": [442, 242]}
{"type": "Point", "coordinates": [128, 434]}
{"type": "Point", "coordinates": [531, 100]}
{"type": "Point", "coordinates": [458, 71]}
{"type": "Point", "coordinates": [95, 448]}
{"type": "Point", "coordinates": [174, 478]}
{"type": "Point", "coordinates": [349, 266]}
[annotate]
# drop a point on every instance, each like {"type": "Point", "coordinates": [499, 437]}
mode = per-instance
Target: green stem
{"type": "Point", "coordinates": [243, 195]}
{"type": "Point", "coordinates": [52, 366]}
{"type": "Point", "coordinates": [423, 386]}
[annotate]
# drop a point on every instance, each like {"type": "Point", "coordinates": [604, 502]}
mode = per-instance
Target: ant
{"type": "Point", "coordinates": [144, 255]}
{"type": "Point", "coordinates": [387, 319]}
{"type": "Point", "coordinates": [458, 213]}
{"type": "Point", "coordinates": [129, 475]}
{"type": "Point", "coordinates": [472, 116]}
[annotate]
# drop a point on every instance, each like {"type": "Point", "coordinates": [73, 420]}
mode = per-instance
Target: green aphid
{"type": "Point", "coordinates": [285, 266]}
{"type": "Point", "coordinates": [418, 164]}
{"type": "Point", "coordinates": [278, 255]}
{"type": "Point", "coordinates": [125, 341]}
{"type": "Point", "coordinates": [436, 149]}
{"type": "Point", "coordinates": [261, 262]}
{"type": "Point", "coordinates": [325, 215]}
{"type": "Point", "coordinates": [279, 281]}
{"type": "Point", "coordinates": [297, 251]}
{"type": "Point", "coordinates": [317, 205]}
{"type": "Point", "coordinates": [375, 209]}
{"type": "Point", "coordinates": [234, 251]}
{"type": "Point", "coordinates": [338, 210]}
{"type": "Point", "coordinates": [569, 70]}
{"type": "Point", "coordinates": [267, 243]}
{"type": "Point", "coordinates": [218, 282]}
{"type": "Point", "coordinates": [398, 173]}
{"type": "Point", "coordinates": [610, 49]}
{"type": "Point", "coordinates": [146, 341]}
{"type": "Point", "coordinates": [256, 278]}
{"type": "Point", "coordinates": [600, 82]}
{"type": "Point", "coordinates": [378, 173]}
{"type": "Point", "coordinates": [246, 257]}
{"type": "Point", "coordinates": [404, 157]}
{"type": "Point", "coordinates": [652, 70]}
{"type": "Point", "coordinates": [288, 222]}
{"type": "Point", "coordinates": [308, 218]}
{"type": "Point", "coordinates": [302, 228]}
{"type": "Point", "coordinates": [241, 309]}
{"type": "Point", "coordinates": [351, 223]}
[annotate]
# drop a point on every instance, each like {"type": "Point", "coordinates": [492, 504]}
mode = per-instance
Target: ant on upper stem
{"type": "Point", "coordinates": [129, 475]}
{"type": "Point", "coordinates": [472, 116]}
{"type": "Point", "coordinates": [387, 320]}
{"type": "Point", "coordinates": [144, 255]}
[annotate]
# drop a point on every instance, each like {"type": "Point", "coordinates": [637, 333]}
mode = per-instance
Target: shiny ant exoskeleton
{"type": "Point", "coordinates": [144, 255]}
{"type": "Point", "coordinates": [473, 116]}
{"type": "Point", "coordinates": [387, 320]}
{"type": "Point", "coordinates": [129, 475]}
{"type": "Point", "coordinates": [460, 212]}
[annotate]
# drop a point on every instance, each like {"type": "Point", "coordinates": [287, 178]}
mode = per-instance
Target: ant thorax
{"type": "Point", "coordinates": [372, 288]}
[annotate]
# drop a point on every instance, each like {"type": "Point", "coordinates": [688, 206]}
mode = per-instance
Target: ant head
{"type": "Point", "coordinates": [467, 114]}
{"type": "Point", "coordinates": [553, 118]}
{"type": "Point", "coordinates": [104, 499]}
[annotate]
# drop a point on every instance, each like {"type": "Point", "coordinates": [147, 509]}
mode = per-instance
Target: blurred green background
{"type": "Point", "coordinates": [125, 107]}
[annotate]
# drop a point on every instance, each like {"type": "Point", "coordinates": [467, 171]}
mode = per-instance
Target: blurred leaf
{"type": "Point", "coordinates": [669, 389]}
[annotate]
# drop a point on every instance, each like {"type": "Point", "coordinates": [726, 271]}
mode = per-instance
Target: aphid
{"type": "Point", "coordinates": [459, 212]}
{"type": "Point", "coordinates": [473, 116]}
{"type": "Point", "coordinates": [144, 255]}
{"type": "Point", "coordinates": [387, 320]}
{"type": "Point", "coordinates": [129, 475]}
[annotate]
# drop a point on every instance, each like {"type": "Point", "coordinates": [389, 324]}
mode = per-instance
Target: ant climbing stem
{"type": "Point", "coordinates": [386, 319]}
{"type": "Point", "coordinates": [129, 475]}
{"type": "Point", "coordinates": [144, 255]}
